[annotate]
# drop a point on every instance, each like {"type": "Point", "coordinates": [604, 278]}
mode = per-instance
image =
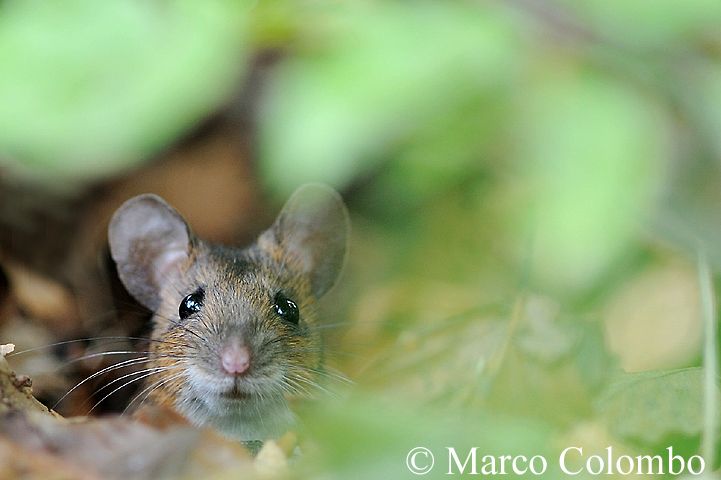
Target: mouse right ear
{"type": "Point", "coordinates": [312, 232]}
{"type": "Point", "coordinates": [150, 243]}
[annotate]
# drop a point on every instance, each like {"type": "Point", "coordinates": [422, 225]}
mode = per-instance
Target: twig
{"type": "Point", "coordinates": [710, 359]}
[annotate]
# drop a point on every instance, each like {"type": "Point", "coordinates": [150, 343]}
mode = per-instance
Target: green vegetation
{"type": "Point", "coordinates": [530, 185]}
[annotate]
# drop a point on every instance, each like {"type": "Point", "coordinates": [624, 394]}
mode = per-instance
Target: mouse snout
{"type": "Point", "coordinates": [235, 358]}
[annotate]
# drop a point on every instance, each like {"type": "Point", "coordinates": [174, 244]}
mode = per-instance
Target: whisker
{"type": "Point", "coordinates": [150, 354]}
{"type": "Point", "coordinates": [293, 389]}
{"type": "Point", "coordinates": [110, 368]}
{"type": "Point", "coordinates": [128, 383]}
{"type": "Point", "coordinates": [131, 374]}
{"type": "Point", "coordinates": [313, 384]}
{"type": "Point", "coordinates": [152, 387]}
{"type": "Point", "coordinates": [330, 374]}
{"type": "Point", "coordinates": [87, 339]}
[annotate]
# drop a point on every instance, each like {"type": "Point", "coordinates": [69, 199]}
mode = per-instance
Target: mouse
{"type": "Point", "coordinates": [234, 329]}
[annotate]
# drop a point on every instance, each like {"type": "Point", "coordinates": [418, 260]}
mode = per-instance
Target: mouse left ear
{"type": "Point", "coordinates": [311, 233]}
{"type": "Point", "coordinates": [150, 243]}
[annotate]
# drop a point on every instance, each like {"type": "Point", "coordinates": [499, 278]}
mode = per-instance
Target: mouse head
{"type": "Point", "coordinates": [234, 329]}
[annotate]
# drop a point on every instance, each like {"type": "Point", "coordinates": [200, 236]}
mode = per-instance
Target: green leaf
{"type": "Point", "coordinates": [593, 151]}
{"type": "Point", "coordinates": [650, 22]}
{"type": "Point", "coordinates": [92, 88]}
{"type": "Point", "coordinates": [369, 437]}
{"type": "Point", "coordinates": [650, 406]}
{"type": "Point", "coordinates": [389, 74]}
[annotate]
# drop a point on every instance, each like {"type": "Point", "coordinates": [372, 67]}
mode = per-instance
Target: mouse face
{"type": "Point", "coordinates": [235, 330]}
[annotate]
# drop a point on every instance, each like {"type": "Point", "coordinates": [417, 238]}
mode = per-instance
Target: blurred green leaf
{"type": "Point", "coordinates": [366, 437]}
{"type": "Point", "coordinates": [91, 88]}
{"type": "Point", "coordinates": [332, 112]}
{"type": "Point", "coordinates": [594, 152]}
{"type": "Point", "coordinates": [650, 406]}
{"type": "Point", "coordinates": [595, 363]}
{"type": "Point", "coordinates": [650, 22]}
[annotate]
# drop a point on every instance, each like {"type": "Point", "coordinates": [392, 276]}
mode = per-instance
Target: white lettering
{"type": "Point", "coordinates": [562, 460]}
{"type": "Point", "coordinates": [701, 465]}
{"type": "Point", "coordinates": [488, 465]}
{"type": "Point", "coordinates": [544, 465]}
{"type": "Point", "coordinates": [598, 460]}
{"type": "Point", "coordinates": [649, 467]}
{"type": "Point", "coordinates": [462, 468]}
{"type": "Point", "coordinates": [671, 462]}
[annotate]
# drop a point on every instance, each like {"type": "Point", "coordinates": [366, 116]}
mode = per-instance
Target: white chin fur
{"type": "Point", "coordinates": [255, 417]}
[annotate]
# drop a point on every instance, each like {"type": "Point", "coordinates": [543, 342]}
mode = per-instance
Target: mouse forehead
{"type": "Point", "coordinates": [236, 275]}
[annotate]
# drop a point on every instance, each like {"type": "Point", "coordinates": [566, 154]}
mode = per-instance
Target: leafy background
{"type": "Point", "coordinates": [534, 189]}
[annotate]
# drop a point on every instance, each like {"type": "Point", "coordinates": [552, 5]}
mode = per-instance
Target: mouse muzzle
{"type": "Point", "coordinates": [235, 358]}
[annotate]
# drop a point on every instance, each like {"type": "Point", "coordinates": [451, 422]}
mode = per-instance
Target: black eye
{"type": "Point", "coordinates": [191, 304]}
{"type": "Point", "coordinates": [286, 309]}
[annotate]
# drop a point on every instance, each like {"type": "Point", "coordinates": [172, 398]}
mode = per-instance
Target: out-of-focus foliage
{"type": "Point", "coordinates": [367, 85]}
{"type": "Point", "coordinates": [89, 88]}
{"type": "Point", "coordinates": [385, 432]}
{"type": "Point", "coordinates": [649, 406]}
{"type": "Point", "coordinates": [514, 147]}
{"type": "Point", "coordinates": [528, 181]}
{"type": "Point", "coordinates": [450, 90]}
{"type": "Point", "coordinates": [596, 150]}
{"type": "Point", "coordinates": [650, 24]}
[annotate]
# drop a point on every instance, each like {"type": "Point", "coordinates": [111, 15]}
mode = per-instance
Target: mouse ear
{"type": "Point", "coordinates": [312, 233]}
{"type": "Point", "coordinates": [150, 243]}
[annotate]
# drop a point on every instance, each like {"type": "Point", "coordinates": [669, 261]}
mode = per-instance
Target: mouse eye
{"type": "Point", "coordinates": [191, 304]}
{"type": "Point", "coordinates": [286, 309]}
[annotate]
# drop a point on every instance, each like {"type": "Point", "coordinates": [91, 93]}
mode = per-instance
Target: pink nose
{"type": "Point", "coordinates": [235, 359]}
